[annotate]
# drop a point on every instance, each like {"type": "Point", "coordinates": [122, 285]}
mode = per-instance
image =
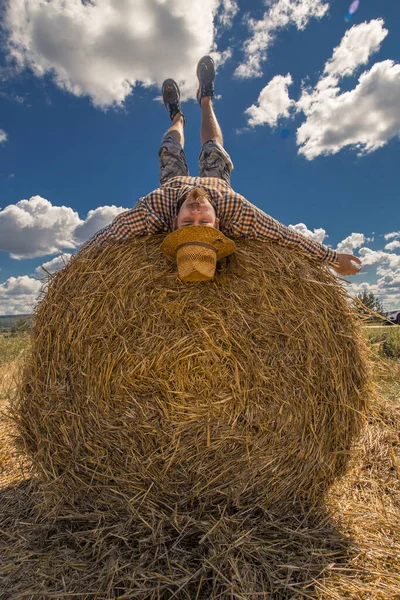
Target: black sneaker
{"type": "Point", "coordinates": [171, 95]}
{"type": "Point", "coordinates": [206, 77]}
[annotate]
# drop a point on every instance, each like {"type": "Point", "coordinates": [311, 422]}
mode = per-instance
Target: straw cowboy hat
{"type": "Point", "coordinates": [196, 250]}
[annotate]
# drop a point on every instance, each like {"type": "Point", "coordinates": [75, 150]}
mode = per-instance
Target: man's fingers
{"type": "Point", "coordinates": [347, 264]}
{"type": "Point", "coordinates": [356, 268]}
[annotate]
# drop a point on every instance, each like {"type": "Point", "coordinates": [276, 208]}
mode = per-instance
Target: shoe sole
{"type": "Point", "coordinates": [173, 84]}
{"type": "Point", "coordinates": [208, 63]}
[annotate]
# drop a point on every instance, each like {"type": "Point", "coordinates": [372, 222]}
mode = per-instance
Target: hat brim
{"type": "Point", "coordinates": [198, 233]}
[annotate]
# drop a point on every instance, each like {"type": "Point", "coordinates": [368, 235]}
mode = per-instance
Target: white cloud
{"type": "Point", "coordinates": [281, 14]}
{"type": "Point", "coordinates": [220, 59]}
{"type": "Point", "coordinates": [228, 10]}
{"type": "Point", "coordinates": [3, 136]}
{"type": "Point", "coordinates": [353, 241]}
{"type": "Point", "coordinates": [104, 49]}
{"type": "Point", "coordinates": [392, 245]}
{"type": "Point", "coordinates": [390, 279]}
{"type": "Point", "coordinates": [372, 257]}
{"type": "Point", "coordinates": [386, 288]}
{"type": "Point", "coordinates": [356, 47]}
{"type": "Point", "coordinates": [390, 236]}
{"type": "Point", "coordinates": [387, 285]}
{"type": "Point", "coordinates": [273, 102]}
{"type": "Point", "coordinates": [19, 295]}
{"type": "Point", "coordinates": [35, 227]}
{"type": "Point", "coordinates": [96, 219]}
{"type": "Point", "coordinates": [53, 265]}
{"type": "Point", "coordinates": [318, 234]}
{"type": "Point", "coordinates": [378, 257]}
{"type": "Point", "coordinates": [394, 261]}
{"type": "Point", "coordinates": [383, 271]}
{"type": "Point", "coordinates": [356, 287]}
{"type": "Point", "coordinates": [366, 117]}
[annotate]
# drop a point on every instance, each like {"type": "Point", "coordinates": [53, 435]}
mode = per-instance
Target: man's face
{"type": "Point", "coordinates": [196, 210]}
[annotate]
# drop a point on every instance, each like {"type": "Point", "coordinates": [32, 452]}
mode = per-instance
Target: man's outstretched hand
{"type": "Point", "coordinates": [345, 264]}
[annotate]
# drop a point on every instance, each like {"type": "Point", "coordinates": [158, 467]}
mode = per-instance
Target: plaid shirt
{"type": "Point", "coordinates": [239, 218]}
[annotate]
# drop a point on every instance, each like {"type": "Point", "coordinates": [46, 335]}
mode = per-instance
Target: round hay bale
{"type": "Point", "coordinates": [143, 390]}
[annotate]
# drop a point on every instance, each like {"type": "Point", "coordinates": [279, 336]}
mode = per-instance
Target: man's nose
{"type": "Point", "coordinates": [197, 216]}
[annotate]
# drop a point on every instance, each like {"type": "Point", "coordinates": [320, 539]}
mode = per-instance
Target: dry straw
{"type": "Point", "coordinates": [189, 422]}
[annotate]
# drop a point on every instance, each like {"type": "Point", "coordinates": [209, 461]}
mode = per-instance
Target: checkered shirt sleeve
{"type": "Point", "coordinates": [239, 218]}
{"type": "Point", "coordinates": [139, 220]}
{"type": "Point", "coordinates": [243, 219]}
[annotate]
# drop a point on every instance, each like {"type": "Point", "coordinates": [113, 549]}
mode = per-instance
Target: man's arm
{"type": "Point", "coordinates": [137, 221]}
{"type": "Point", "coordinates": [250, 221]}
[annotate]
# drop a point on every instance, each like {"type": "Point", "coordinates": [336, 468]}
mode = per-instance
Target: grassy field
{"type": "Point", "coordinates": [363, 507]}
{"type": "Point", "coordinates": [385, 339]}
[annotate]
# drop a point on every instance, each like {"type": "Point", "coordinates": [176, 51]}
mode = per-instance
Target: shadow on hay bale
{"type": "Point", "coordinates": [159, 395]}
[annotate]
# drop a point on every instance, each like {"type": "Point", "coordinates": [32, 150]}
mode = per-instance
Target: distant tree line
{"type": "Point", "coordinates": [15, 325]}
{"type": "Point", "coordinates": [21, 325]}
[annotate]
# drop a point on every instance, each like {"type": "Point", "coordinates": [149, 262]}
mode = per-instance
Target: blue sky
{"type": "Point", "coordinates": [309, 105]}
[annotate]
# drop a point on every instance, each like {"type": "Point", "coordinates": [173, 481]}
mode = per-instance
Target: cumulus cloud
{"type": "Point", "coordinates": [355, 288]}
{"type": "Point", "coordinates": [3, 136]}
{"type": "Point", "coordinates": [35, 227]}
{"type": "Point", "coordinates": [19, 295]}
{"type": "Point", "coordinates": [359, 287]}
{"type": "Point", "coordinates": [353, 241]}
{"type": "Point", "coordinates": [104, 49]}
{"type": "Point", "coordinates": [356, 47]}
{"type": "Point", "coordinates": [390, 236]}
{"type": "Point", "coordinates": [318, 234]}
{"type": "Point", "coordinates": [386, 288]}
{"type": "Point", "coordinates": [366, 117]}
{"type": "Point", "coordinates": [393, 261]}
{"type": "Point", "coordinates": [377, 257]}
{"type": "Point", "coordinates": [390, 279]}
{"type": "Point", "coordinates": [387, 284]}
{"type": "Point", "coordinates": [96, 219]}
{"type": "Point", "coordinates": [228, 11]}
{"type": "Point", "coordinates": [392, 245]}
{"type": "Point", "coordinates": [281, 14]}
{"type": "Point", "coordinates": [272, 104]}
{"type": "Point", "coordinates": [57, 263]}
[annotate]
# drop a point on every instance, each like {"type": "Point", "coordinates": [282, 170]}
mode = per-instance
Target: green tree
{"type": "Point", "coordinates": [370, 302]}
